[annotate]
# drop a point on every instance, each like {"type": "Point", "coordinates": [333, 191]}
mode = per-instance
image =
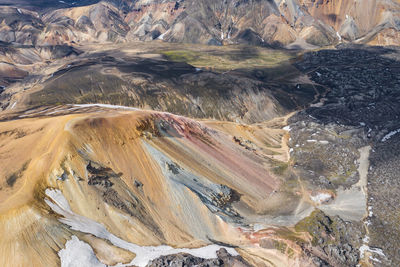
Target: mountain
{"type": "Point", "coordinates": [288, 23]}
{"type": "Point", "coordinates": [284, 161]}
{"type": "Point", "coordinates": [199, 133]}
{"type": "Point", "coordinates": [154, 178]}
{"type": "Point", "coordinates": [227, 83]}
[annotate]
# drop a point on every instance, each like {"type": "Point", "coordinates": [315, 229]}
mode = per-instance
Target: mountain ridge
{"type": "Point", "coordinates": [279, 23]}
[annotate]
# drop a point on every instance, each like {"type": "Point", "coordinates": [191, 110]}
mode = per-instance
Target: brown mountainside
{"type": "Point", "coordinates": [292, 23]}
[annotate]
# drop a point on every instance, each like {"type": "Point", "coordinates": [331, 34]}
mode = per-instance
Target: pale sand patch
{"type": "Point", "coordinates": [351, 204]}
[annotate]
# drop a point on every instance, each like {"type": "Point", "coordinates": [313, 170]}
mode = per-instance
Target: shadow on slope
{"type": "Point", "coordinates": [262, 90]}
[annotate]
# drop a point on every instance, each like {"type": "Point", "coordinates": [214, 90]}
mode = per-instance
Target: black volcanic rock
{"type": "Point", "coordinates": [186, 260]}
{"type": "Point", "coordinates": [361, 108]}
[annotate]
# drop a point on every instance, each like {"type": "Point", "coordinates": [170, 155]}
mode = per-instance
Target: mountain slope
{"type": "Point", "coordinates": [149, 178]}
{"type": "Point", "coordinates": [133, 186]}
{"type": "Point", "coordinates": [292, 23]}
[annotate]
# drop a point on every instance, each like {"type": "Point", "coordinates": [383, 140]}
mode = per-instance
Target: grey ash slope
{"type": "Point", "coordinates": [247, 94]}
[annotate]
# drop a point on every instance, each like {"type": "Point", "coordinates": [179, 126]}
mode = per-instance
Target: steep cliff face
{"type": "Point", "coordinates": [279, 23]}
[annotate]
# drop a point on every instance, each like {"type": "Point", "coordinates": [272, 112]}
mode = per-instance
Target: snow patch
{"type": "Point", "coordinates": [312, 117]}
{"type": "Point", "coordinates": [287, 128]}
{"type": "Point", "coordinates": [161, 37]}
{"type": "Point", "coordinates": [144, 254]}
{"type": "Point", "coordinates": [375, 259]}
{"type": "Point", "coordinates": [339, 37]}
{"type": "Point", "coordinates": [61, 110]}
{"type": "Point", "coordinates": [78, 253]}
{"type": "Point", "coordinates": [13, 105]}
{"type": "Point", "coordinates": [365, 248]}
{"type": "Point", "coordinates": [104, 106]}
{"type": "Point", "coordinates": [390, 135]}
{"type": "Point", "coordinates": [370, 213]}
{"type": "Point", "coordinates": [321, 198]}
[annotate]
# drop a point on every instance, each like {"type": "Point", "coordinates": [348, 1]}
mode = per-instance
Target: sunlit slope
{"type": "Point", "coordinates": [150, 178]}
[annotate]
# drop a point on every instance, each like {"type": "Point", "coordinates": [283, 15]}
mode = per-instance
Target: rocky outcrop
{"type": "Point", "coordinates": [102, 178]}
{"type": "Point", "coordinates": [223, 259]}
{"type": "Point", "coordinates": [334, 241]}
